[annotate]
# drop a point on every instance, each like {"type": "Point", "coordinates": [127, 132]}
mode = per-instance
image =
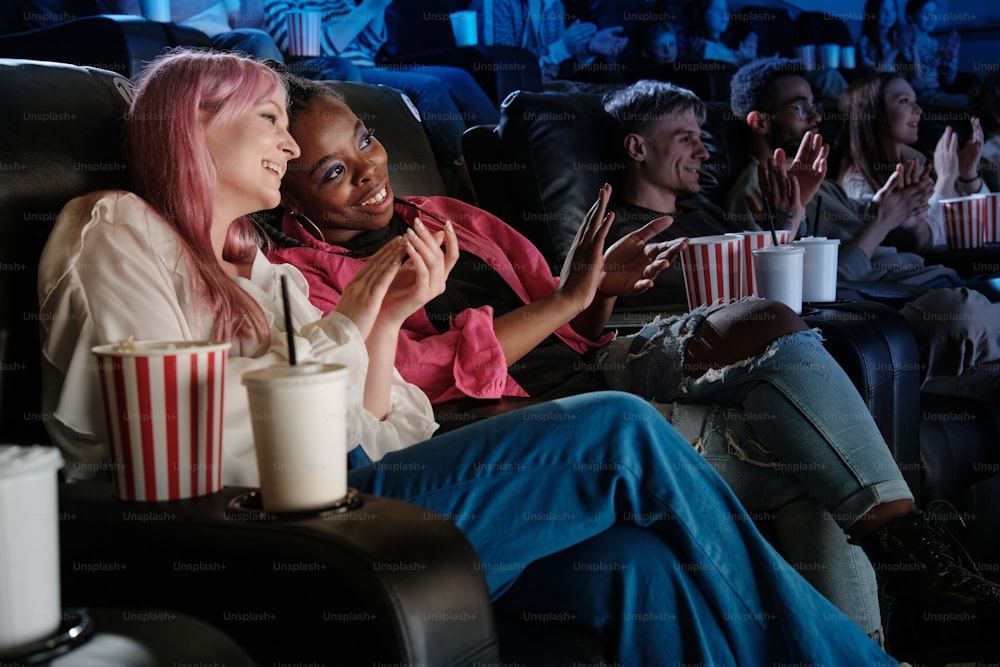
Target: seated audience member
{"type": "Point", "coordinates": [658, 44]}
{"type": "Point", "coordinates": [882, 120]}
{"type": "Point", "coordinates": [777, 105]}
{"type": "Point", "coordinates": [632, 16]}
{"type": "Point", "coordinates": [708, 23]}
{"type": "Point", "coordinates": [449, 99]}
{"type": "Point", "coordinates": [937, 63]}
{"type": "Point", "coordinates": [706, 28]}
{"type": "Point", "coordinates": [563, 50]}
{"type": "Point", "coordinates": [504, 327]}
{"type": "Point", "coordinates": [180, 266]}
{"type": "Point", "coordinates": [886, 44]}
{"type": "Point", "coordinates": [233, 25]}
{"type": "Point", "coordinates": [985, 105]}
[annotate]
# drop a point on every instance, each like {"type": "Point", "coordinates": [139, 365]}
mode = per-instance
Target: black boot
{"type": "Point", "coordinates": [935, 602]}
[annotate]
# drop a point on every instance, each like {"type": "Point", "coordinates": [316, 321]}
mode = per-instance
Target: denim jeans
{"type": "Point", "coordinates": [255, 43]}
{"type": "Point", "coordinates": [607, 515]}
{"type": "Point", "coordinates": [449, 100]}
{"type": "Point", "coordinates": [790, 435]}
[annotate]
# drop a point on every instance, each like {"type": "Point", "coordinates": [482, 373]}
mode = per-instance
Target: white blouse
{"type": "Point", "coordinates": [113, 268]}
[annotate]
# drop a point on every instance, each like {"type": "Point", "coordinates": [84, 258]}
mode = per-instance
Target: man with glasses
{"type": "Point", "coordinates": [776, 102]}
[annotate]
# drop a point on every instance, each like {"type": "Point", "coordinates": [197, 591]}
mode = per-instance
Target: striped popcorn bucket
{"type": "Point", "coordinates": [304, 33]}
{"type": "Point", "coordinates": [163, 409]}
{"type": "Point", "coordinates": [963, 224]}
{"type": "Point", "coordinates": [991, 211]}
{"type": "Point", "coordinates": [713, 269]}
{"type": "Point", "coordinates": [755, 241]}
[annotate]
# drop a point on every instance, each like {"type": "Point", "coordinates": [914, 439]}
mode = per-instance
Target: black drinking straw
{"type": "Point", "coordinates": [770, 220]}
{"type": "Point", "coordinates": [819, 211]}
{"type": "Point", "coordinates": [288, 320]}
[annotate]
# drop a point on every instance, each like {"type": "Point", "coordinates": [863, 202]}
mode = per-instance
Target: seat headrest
{"type": "Point", "coordinates": [60, 137]}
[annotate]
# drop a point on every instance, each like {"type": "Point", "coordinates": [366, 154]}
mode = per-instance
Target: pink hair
{"type": "Point", "coordinates": [171, 168]}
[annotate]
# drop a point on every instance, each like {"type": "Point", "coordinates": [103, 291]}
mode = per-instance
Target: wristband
{"type": "Point", "coordinates": [969, 180]}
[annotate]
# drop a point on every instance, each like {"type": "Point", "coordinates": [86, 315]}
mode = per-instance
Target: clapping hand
{"type": "Point", "coordinates": [577, 37]}
{"type": "Point", "coordinates": [969, 154]}
{"type": "Point", "coordinates": [809, 165]}
{"type": "Point", "coordinates": [424, 273]}
{"type": "Point", "coordinates": [609, 42]}
{"type": "Point", "coordinates": [781, 191]}
{"type": "Point", "coordinates": [904, 199]}
{"type": "Point", "coordinates": [632, 263]}
{"type": "Point", "coordinates": [388, 290]}
{"type": "Point", "coordinates": [581, 272]}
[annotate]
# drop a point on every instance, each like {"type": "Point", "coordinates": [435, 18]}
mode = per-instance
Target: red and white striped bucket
{"type": "Point", "coordinates": [991, 218]}
{"type": "Point", "coordinates": [963, 221]}
{"type": "Point", "coordinates": [304, 33]}
{"type": "Point", "coordinates": [713, 269]}
{"type": "Point", "coordinates": [163, 409]}
{"type": "Point", "coordinates": [755, 241]}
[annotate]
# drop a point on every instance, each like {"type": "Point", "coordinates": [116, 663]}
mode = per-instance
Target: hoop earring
{"type": "Point", "coordinates": [299, 217]}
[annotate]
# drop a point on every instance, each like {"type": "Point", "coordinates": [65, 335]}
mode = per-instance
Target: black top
{"type": "Point", "coordinates": [550, 367]}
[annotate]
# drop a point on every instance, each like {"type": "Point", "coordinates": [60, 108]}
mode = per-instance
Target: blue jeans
{"type": "Point", "coordinates": [609, 515]}
{"type": "Point", "coordinates": [257, 44]}
{"type": "Point", "coordinates": [449, 100]}
{"type": "Point", "coordinates": [791, 436]}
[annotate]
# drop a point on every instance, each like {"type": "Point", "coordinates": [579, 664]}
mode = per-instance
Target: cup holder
{"type": "Point", "coordinates": [250, 507]}
{"type": "Point", "coordinates": [76, 628]}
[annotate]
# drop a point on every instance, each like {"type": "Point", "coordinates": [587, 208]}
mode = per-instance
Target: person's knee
{"type": "Point", "coordinates": [738, 332]}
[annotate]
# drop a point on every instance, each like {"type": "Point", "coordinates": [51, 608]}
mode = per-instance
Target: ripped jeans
{"type": "Point", "coordinates": [789, 433]}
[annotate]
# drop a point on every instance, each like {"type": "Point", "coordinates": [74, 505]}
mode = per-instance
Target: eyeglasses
{"type": "Point", "coordinates": [803, 110]}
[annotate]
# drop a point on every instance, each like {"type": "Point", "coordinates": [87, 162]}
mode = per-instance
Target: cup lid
{"type": "Point", "coordinates": [147, 348]}
{"type": "Point", "coordinates": [816, 240]}
{"type": "Point", "coordinates": [16, 460]}
{"type": "Point", "coordinates": [298, 374]}
{"type": "Point", "coordinates": [779, 248]}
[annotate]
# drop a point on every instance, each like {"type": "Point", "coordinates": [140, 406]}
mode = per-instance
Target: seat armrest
{"type": "Point", "coordinates": [876, 347]}
{"type": "Point", "coordinates": [385, 582]}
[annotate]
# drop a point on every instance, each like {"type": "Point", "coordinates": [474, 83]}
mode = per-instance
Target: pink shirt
{"type": "Point", "coordinates": [466, 360]}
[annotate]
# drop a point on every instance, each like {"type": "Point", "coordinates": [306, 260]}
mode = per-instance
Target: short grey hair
{"type": "Point", "coordinates": [647, 101]}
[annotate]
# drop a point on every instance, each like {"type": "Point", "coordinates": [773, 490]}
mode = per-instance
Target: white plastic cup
{"type": "Point", "coordinates": [778, 274]}
{"type": "Point", "coordinates": [963, 223]}
{"type": "Point", "coordinates": [304, 33]}
{"type": "Point", "coordinates": [819, 268]}
{"type": "Point", "coordinates": [713, 267]}
{"type": "Point", "coordinates": [155, 10]}
{"type": "Point", "coordinates": [163, 410]}
{"type": "Point", "coordinates": [807, 54]}
{"type": "Point", "coordinates": [847, 57]}
{"type": "Point", "coordinates": [829, 56]}
{"type": "Point", "coordinates": [753, 241]}
{"type": "Point", "coordinates": [299, 432]}
{"type": "Point", "coordinates": [30, 603]}
{"type": "Point", "coordinates": [463, 26]}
